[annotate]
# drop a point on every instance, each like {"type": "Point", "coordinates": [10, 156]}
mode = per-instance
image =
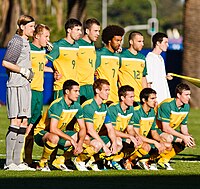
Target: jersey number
{"type": "Point", "coordinates": [41, 66]}
{"type": "Point", "coordinates": [73, 64]}
{"type": "Point", "coordinates": [91, 62]}
{"type": "Point", "coordinates": [113, 72]}
{"type": "Point", "coordinates": [136, 74]}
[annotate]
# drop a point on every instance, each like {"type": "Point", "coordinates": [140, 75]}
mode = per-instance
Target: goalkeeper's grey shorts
{"type": "Point", "coordinates": [18, 101]}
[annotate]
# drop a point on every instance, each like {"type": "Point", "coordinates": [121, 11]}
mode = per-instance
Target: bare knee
{"type": "Point", "coordinates": [96, 144]}
{"type": "Point", "coordinates": [146, 147]}
{"type": "Point", "coordinates": [167, 137]}
{"type": "Point", "coordinates": [51, 138]}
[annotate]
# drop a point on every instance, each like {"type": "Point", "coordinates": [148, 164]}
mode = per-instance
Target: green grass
{"type": "Point", "coordinates": [185, 175]}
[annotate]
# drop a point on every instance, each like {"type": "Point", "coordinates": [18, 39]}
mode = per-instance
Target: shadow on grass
{"type": "Point", "coordinates": [187, 157]}
{"type": "Point", "coordinates": [126, 182]}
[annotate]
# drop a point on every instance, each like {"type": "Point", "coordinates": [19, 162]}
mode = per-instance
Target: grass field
{"type": "Point", "coordinates": [185, 175]}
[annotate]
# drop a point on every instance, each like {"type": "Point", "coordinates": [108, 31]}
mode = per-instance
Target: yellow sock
{"type": "Point", "coordinates": [86, 154]}
{"type": "Point", "coordinates": [166, 156]}
{"type": "Point", "coordinates": [118, 157]}
{"type": "Point", "coordinates": [47, 150]}
{"type": "Point", "coordinates": [59, 160]}
{"type": "Point", "coordinates": [138, 153]}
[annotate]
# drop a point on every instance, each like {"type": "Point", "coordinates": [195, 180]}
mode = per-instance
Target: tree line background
{"type": "Point", "coordinates": [54, 13]}
{"type": "Point", "coordinates": [180, 14]}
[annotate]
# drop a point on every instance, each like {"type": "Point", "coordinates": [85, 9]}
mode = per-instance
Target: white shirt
{"type": "Point", "coordinates": [157, 75]}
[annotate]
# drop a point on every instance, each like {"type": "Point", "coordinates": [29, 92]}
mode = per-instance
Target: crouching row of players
{"type": "Point", "coordinates": [120, 136]}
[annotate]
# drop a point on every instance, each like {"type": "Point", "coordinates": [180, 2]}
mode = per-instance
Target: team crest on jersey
{"type": "Point", "coordinates": [142, 65]}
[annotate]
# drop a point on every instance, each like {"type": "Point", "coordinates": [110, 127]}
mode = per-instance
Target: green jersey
{"type": "Point", "coordinates": [145, 122]}
{"type": "Point", "coordinates": [120, 119]}
{"type": "Point", "coordinates": [94, 114]}
{"type": "Point", "coordinates": [132, 69]}
{"type": "Point", "coordinates": [170, 113]}
{"type": "Point", "coordinates": [60, 111]}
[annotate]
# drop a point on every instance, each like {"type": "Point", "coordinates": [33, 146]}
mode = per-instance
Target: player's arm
{"type": "Point", "coordinates": [188, 140]}
{"type": "Point", "coordinates": [48, 69]}
{"type": "Point", "coordinates": [121, 134]}
{"type": "Point", "coordinates": [92, 132]}
{"type": "Point", "coordinates": [127, 136]}
{"type": "Point", "coordinates": [55, 130]}
{"type": "Point", "coordinates": [81, 134]}
{"type": "Point", "coordinates": [130, 130]}
{"type": "Point", "coordinates": [156, 136]}
{"type": "Point", "coordinates": [184, 130]}
{"type": "Point", "coordinates": [112, 136]}
{"type": "Point", "coordinates": [144, 82]}
{"type": "Point", "coordinates": [11, 66]}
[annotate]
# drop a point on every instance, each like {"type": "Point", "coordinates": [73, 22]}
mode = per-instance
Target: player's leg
{"type": "Point", "coordinates": [49, 142]}
{"type": "Point", "coordinates": [36, 110]}
{"type": "Point", "coordinates": [11, 136]}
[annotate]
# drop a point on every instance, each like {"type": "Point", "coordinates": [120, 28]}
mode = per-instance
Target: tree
{"type": "Point", "coordinates": [76, 9]}
{"type": "Point", "coordinates": [191, 54]}
{"type": "Point", "coordinates": [10, 13]}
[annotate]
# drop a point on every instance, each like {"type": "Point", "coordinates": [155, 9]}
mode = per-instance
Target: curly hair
{"type": "Point", "coordinates": [110, 31]}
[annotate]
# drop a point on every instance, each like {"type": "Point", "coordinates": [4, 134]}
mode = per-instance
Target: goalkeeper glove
{"type": "Point", "coordinates": [27, 73]}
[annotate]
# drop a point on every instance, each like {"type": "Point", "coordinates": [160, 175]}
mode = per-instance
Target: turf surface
{"type": "Point", "coordinates": [185, 175]}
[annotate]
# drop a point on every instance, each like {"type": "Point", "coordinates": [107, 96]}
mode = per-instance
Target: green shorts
{"type": "Point", "coordinates": [105, 139]}
{"type": "Point", "coordinates": [61, 142]}
{"type": "Point", "coordinates": [38, 138]}
{"type": "Point", "coordinates": [57, 94]}
{"type": "Point", "coordinates": [36, 106]}
{"type": "Point", "coordinates": [86, 93]}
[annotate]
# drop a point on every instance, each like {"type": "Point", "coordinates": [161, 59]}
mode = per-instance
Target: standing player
{"type": "Point", "coordinates": [52, 130]}
{"type": "Point", "coordinates": [64, 55]}
{"type": "Point", "coordinates": [96, 114]}
{"type": "Point", "coordinates": [132, 69]}
{"type": "Point", "coordinates": [156, 77]}
{"type": "Point", "coordinates": [87, 58]}
{"type": "Point", "coordinates": [38, 60]}
{"type": "Point", "coordinates": [173, 117]}
{"type": "Point", "coordinates": [107, 64]}
{"type": "Point", "coordinates": [18, 64]}
{"type": "Point", "coordinates": [122, 118]}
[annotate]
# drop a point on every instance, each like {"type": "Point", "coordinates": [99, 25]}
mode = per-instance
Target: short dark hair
{"type": "Point", "coordinates": [98, 84]}
{"type": "Point", "coordinates": [71, 23]}
{"type": "Point", "coordinates": [68, 84]}
{"type": "Point", "coordinates": [123, 90]}
{"type": "Point", "coordinates": [110, 31]}
{"type": "Point", "coordinates": [133, 34]}
{"type": "Point", "coordinates": [145, 93]}
{"type": "Point", "coordinates": [158, 37]}
{"type": "Point", "coordinates": [181, 87]}
{"type": "Point", "coordinates": [89, 22]}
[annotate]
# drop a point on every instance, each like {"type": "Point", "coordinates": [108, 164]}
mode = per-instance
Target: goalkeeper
{"type": "Point", "coordinates": [18, 65]}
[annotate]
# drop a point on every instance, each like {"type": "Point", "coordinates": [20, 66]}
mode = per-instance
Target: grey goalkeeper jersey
{"type": "Point", "coordinates": [18, 52]}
